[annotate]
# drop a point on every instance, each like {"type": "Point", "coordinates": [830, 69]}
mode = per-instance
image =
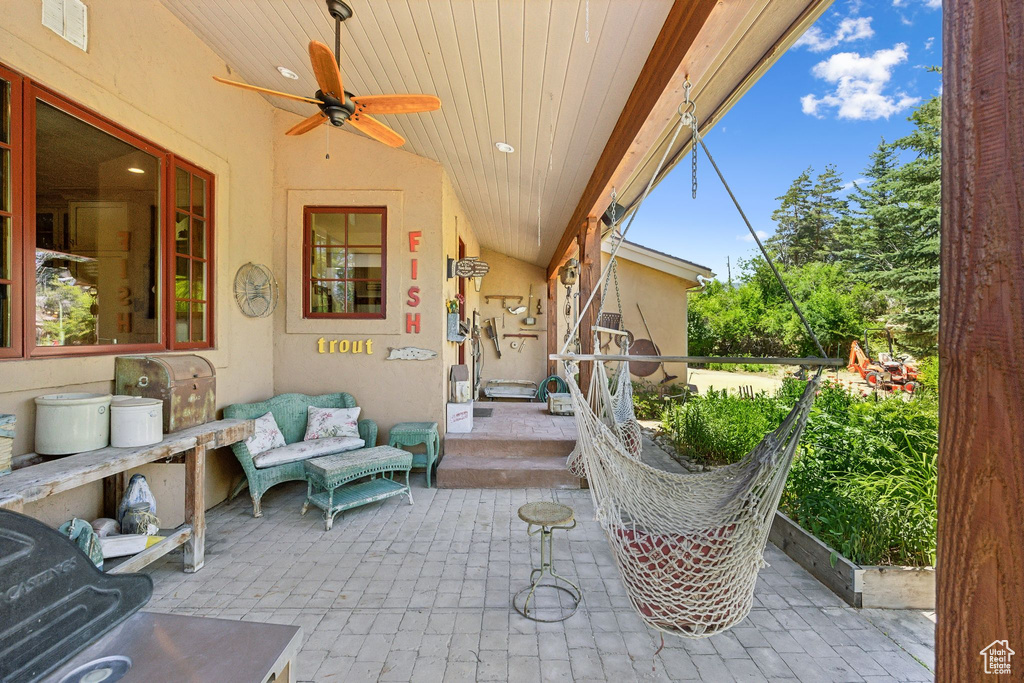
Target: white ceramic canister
{"type": "Point", "coordinates": [72, 423]}
{"type": "Point", "coordinates": [136, 421]}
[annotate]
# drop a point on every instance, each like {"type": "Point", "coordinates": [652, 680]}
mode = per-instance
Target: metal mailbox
{"type": "Point", "coordinates": [187, 385]}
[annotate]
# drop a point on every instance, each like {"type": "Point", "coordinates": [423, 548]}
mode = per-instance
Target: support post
{"type": "Point", "coordinates": [589, 240]}
{"type": "Point", "coordinates": [195, 507]}
{"type": "Point", "coordinates": [552, 323]}
{"type": "Point", "coordinates": [981, 340]}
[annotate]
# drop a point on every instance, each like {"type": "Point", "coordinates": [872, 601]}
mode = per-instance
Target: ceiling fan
{"type": "Point", "coordinates": [337, 105]}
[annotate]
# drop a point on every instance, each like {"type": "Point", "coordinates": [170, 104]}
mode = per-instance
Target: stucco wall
{"type": "Point", "coordinates": [512, 276]}
{"type": "Point", "coordinates": [362, 172]}
{"type": "Point", "coordinates": [149, 73]}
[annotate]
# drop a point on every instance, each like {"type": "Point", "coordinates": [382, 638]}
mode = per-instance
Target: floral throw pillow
{"type": "Point", "coordinates": [323, 423]}
{"type": "Point", "coordinates": [266, 435]}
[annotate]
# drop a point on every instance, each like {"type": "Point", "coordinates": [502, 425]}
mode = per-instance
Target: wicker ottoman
{"type": "Point", "coordinates": [327, 479]}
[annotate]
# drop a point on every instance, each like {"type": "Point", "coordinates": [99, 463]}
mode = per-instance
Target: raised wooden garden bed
{"type": "Point", "coordinates": [858, 586]}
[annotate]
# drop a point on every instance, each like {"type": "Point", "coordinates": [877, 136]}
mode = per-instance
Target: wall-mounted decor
{"type": "Point", "coordinates": [454, 331]}
{"type": "Point", "coordinates": [471, 266]}
{"type": "Point", "coordinates": [412, 320]}
{"type": "Point", "coordinates": [353, 346]}
{"type": "Point", "coordinates": [256, 291]}
{"type": "Point", "coordinates": [410, 353]}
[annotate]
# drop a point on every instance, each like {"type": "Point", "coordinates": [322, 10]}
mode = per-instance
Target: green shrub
{"type": "Point", "coordinates": [863, 480]}
{"type": "Point", "coordinates": [649, 403]}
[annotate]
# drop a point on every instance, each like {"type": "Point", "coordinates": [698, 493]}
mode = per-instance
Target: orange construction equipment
{"type": "Point", "coordinates": [889, 372]}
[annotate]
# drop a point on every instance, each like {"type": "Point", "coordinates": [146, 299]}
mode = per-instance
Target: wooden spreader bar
{"type": "Point", "coordinates": [700, 360]}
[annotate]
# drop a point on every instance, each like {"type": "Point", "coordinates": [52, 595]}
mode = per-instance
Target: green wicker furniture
{"type": "Point", "coordinates": [290, 412]}
{"type": "Point", "coordinates": [414, 433]}
{"type": "Point", "coordinates": [329, 478]}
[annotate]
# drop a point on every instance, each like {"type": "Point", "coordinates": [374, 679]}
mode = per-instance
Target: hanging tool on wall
{"type": "Point", "coordinates": [521, 336]}
{"type": "Point", "coordinates": [491, 328]}
{"type": "Point", "coordinates": [529, 319]}
{"type": "Point", "coordinates": [668, 378]}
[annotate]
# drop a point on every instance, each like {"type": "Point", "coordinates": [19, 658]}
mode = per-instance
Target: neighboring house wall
{"type": "Point", "coordinates": [150, 74]}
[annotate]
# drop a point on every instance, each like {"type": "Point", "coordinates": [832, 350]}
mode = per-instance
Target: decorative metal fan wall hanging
{"type": "Point", "coordinates": [256, 290]}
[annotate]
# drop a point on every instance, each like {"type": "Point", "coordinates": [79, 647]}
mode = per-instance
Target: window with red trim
{"type": "Point", "coordinates": [106, 239]}
{"type": "Point", "coordinates": [191, 246]}
{"type": "Point", "coordinates": [344, 262]}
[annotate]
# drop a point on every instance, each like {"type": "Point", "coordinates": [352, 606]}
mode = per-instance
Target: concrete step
{"type": "Point", "coordinates": [504, 472]}
{"type": "Point", "coordinates": [498, 447]}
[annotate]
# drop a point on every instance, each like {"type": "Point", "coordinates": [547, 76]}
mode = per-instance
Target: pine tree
{"type": "Point", "coordinates": [826, 211]}
{"type": "Point", "coordinates": [790, 218]}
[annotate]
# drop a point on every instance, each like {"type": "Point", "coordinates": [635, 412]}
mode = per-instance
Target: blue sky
{"type": "Point", "coordinates": [850, 81]}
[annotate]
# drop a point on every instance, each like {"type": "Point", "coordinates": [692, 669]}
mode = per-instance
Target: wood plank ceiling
{"type": "Point", "coordinates": [515, 71]}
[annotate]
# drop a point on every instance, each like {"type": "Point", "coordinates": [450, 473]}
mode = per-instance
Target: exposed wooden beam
{"type": "Point", "coordinates": [643, 113]}
{"type": "Point", "coordinates": [589, 241]}
{"type": "Point", "coordinates": [981, 339]}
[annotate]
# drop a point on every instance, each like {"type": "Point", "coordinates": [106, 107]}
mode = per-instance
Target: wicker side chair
{"type": "Point", "coordinates": [290, 411]}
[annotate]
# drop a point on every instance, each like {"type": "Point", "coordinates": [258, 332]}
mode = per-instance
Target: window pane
{"type": "Point", "coordinates": [181, 190]}
{"type": "Point", "coordinates": [198, 322]}
{"type": "Point", "coordinates": [327, 228]}
{"type": "Point", "coordinates": [198, 281]}
{"type": "Point", "coordinates": [366, 297]}
{"type": "Point", "coordinates": [5, 111]}
{"type": "Point", "coordinates": [328, 263]}
{"type": "Point", "coordinates": [97, 229]}
{"type": "Point", "coordinates": [181, 277]}
{"type": "Point", "coordinates": [5, 315]}
{"type": "Point", "coordinates": [198, 196]}
{"type": "Point", "coordinates": [364, 228]}
{"type": "Point", "coordinates": [181, 233]}
{"type": "Point", "coordinates": [364, 262]}
{"type": "Point", "coordinates": [181, 321]}
{"type": "Point", "coordinates": [328, 297]}
{"type": "Point", "coordinates": [5, 180]}
{"type": "Point", "coordinates": [198, 238]}
{"type": "Point", "coordinates": [5, 248]}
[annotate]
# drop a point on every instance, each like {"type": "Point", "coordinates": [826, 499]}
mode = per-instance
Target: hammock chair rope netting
{"type": "Point", "coordinates": [688, 545]}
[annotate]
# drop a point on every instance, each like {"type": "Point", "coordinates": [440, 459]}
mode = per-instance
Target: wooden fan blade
{"type": "Point", "coordinates": [328, 77]}
{"type": "Point", "coordinates": [376, 130]}
{"type": "Point", "coordinates": [306, 125]}
{"type": "Point", "coordinates": [396, 104]}
{"type": "Point", "coordinates": [266, 90]}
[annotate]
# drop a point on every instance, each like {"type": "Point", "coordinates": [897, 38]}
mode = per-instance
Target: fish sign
{"type": "Point", "coordinates": [410, 353]}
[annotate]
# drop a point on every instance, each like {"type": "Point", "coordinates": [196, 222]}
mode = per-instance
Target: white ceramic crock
{"type": "Point", "coordinates": [136, 421]}
{"type": "Point", "coordinates": [72, 423]}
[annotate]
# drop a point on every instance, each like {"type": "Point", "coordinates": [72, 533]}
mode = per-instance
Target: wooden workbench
{"type": "Point", "coordinates": [36, 482]}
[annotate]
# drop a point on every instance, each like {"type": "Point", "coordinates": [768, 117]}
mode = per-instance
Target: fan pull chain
{"type": "Point", "coordinates": [327, 138]}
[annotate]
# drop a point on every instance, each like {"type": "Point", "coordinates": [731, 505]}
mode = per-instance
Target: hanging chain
{"type": "Point", "coordinates": [688, 110]}
{"type": "Point", "coordinates": [571, 332]}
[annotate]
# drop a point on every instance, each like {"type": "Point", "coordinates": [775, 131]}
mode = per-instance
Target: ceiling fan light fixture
{"type": "Point", "coordinates": [504, 147]}
{"type": "Point", "coordinates": [288, 73]}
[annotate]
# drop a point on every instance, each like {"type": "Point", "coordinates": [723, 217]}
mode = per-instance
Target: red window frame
{"type": "Point", "coordinates": [14, 214]}
{"type": "Point", "coordinates": [24, 93]}
{"type": "Point", "coordinates": [170, 252]}
{"type": "Point", "coordinates": [307, 257]}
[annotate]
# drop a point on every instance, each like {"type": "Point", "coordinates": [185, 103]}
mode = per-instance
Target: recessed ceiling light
{"type": "Point", "coordinates": [504, 147]}
{"type": "Point", "coordinates": [288, 73]}
{"type": "Point", "coordinates": [135, 169]}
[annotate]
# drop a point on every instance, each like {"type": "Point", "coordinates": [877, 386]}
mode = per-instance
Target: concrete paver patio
{"type": "Point", "coordinates": [399, 592]}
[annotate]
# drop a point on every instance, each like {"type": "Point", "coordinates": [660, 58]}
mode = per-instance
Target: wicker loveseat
{"type": "Point", "coordinates": [290, 411]}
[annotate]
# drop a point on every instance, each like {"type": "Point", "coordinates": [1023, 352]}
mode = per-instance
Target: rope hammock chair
{"type": "Point", "coordinates": [688, 546]}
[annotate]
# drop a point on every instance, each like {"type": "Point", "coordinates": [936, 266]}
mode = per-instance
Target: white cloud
{"type": "Point", "coordinates": [928, 44]}
{"type": "Point", "coordinates": [930, 4]}
{"type": "Point", "coordinates": [849, 30]}
{"type": "Point", "coordinates": [747, 237]}
{"type": "Point", "coordinates": [860, 182]}
{"type": "Point", "coordinates": [859, 85]}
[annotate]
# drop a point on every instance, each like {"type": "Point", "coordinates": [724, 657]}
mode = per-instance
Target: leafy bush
{"type": "Point", "coordinates": [863, 480]}
{"type": "Point", "coordinates": [650, 400]}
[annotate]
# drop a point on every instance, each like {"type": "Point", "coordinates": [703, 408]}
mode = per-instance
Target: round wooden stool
{"type": "Point", "coordinates": [547, 517]}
